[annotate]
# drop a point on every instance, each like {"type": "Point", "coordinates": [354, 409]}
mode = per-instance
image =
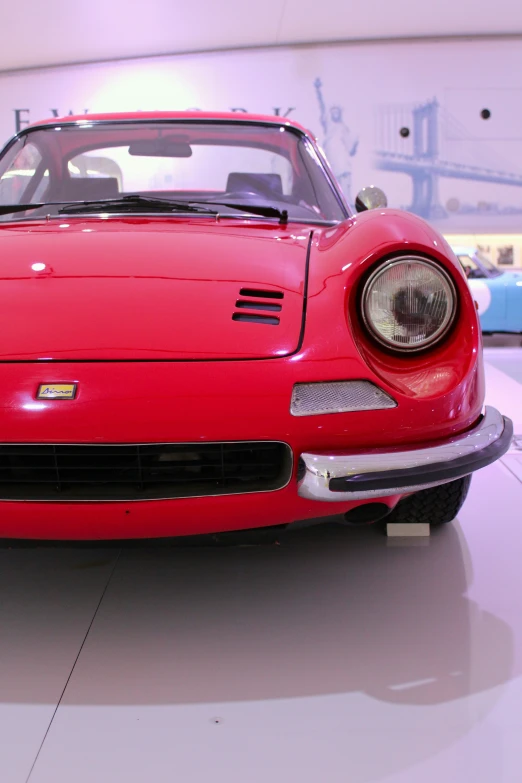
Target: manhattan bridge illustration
{"type": "Point", "coordinates": [426, 160]}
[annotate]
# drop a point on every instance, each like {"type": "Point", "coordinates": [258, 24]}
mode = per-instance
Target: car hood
{"type": "Point", "coordinates": [124, 289]}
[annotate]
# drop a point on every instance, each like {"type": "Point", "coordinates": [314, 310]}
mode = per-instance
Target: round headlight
{"type": "Point", "coordinates": [409, 304]}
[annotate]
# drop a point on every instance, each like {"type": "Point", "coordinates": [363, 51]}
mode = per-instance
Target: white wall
{"type": "Point", "coordinates": [365, 80]}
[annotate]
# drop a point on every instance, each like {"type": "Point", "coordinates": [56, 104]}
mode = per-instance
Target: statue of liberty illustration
{"type": "Point", "coordinates": [339, 144]}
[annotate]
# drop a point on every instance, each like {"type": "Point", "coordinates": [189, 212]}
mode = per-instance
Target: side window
{"type": "Point", "coordinates": [95, 166]}
{"type": "Point", "coordinates": [17, 177]}
{"type": "Point", "coordinates": [39, 194]}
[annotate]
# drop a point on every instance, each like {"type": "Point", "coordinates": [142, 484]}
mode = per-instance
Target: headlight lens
{"type": "Point", "coordinates": [409, 304]}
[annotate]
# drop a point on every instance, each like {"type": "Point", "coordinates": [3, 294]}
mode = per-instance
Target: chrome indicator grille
{"type": "Point", "coordinates": [313, 399]}
{"type": "Point", "coordinates": [60, 472]}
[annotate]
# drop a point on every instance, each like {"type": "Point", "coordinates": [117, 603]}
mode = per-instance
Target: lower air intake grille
{"type": "Point", "coordinates": [312, 399]}
{"type": "Point", "coordinates": [141, 472]}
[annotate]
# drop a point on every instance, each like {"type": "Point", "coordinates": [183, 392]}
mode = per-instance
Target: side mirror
{"type": "Point", "coordinates": [370, 198]}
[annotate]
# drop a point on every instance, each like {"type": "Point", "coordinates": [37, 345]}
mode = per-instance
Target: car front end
{"type": "Point", "coordinates": [193, 373]}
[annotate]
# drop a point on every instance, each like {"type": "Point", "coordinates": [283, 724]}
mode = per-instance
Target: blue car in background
{"type": "Point", "coordinates": [498, 293]}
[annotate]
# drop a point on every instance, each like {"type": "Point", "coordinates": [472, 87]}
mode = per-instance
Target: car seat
{"type": "Point", "coordinates": [264, 184]}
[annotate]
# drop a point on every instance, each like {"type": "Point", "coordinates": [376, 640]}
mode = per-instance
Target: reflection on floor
{"type": "Point", "coordinates": [336, 656]}
{"type": "Point", "coordinates": [505, 359]}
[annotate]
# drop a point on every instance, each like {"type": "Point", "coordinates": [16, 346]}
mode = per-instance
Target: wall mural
{"type": "Point", "coordinates": [339, 143]}
{"type": "Point", "coordinates": [426, 160]}
{"type": "Point", "coordinates": [438, 125]}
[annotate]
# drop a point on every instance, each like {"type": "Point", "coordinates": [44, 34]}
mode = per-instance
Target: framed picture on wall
{"type": "Point", "coordinates": [505, 255]}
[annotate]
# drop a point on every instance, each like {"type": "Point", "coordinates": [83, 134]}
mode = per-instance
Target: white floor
{"type": "Point", "coordinates": [338, 656]}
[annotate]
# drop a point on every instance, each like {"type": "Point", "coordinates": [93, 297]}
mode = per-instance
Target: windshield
{"type": "Point", "coordinates": [478, 265]}
{"type": "Point", "coordinates": [487, 263]}
{"type": "Point", "coordinates": [204, 162]}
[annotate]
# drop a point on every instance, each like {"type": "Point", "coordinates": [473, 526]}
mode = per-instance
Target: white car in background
{"type": "Point", "coordinates": [498, 292]}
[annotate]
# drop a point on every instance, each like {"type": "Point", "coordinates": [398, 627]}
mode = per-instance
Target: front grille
{"type": "Point", "coordinates": [141, 472]}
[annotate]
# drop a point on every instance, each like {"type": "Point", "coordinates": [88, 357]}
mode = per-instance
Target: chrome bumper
{"type": "Point", "coordinates": [345, 477]}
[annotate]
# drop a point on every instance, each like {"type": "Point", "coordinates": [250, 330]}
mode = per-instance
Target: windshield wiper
{"type": "Point", "coordinates": [255, 209]}
{"type": "Point", "coordinates": [127, 203]}
{"type": "Point", "coordinates": [166, 205]}
{"type": "Point", "coordinates": [6, 209]}
{"type": "Point", "coordinates": [133, 203]}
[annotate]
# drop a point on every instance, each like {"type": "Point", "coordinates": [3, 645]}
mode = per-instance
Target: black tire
{"type": "Point", "coordinates": [436, 506]}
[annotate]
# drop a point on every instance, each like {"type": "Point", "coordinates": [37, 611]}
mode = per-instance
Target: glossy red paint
{"type": "Point", "coordinates": [135, 402]}
{"type": "Point", "coordinates": [149, 289]}
{"type": "Point", "coordinates": [138, 313]}
{"type": "Point", "coordinates": [366, 240]}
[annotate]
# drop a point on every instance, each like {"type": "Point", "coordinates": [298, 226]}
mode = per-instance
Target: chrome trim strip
{"type": "Point", "coordinates": [458, 456]}
{"type": "Point", "coordinates": [240, 216]}
{"type": "Point", "coordinates": [210, 120]}
{"type": "Point", "coordinates": [143, 120]}
{"type": "Point", "coordinates": [325, 166]}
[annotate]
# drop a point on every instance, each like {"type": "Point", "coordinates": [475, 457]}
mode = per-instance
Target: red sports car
{"type": "Point", "coordinates": [199, 336]}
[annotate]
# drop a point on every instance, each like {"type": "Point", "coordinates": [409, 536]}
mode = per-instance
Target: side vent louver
{"type": "Point", "coordinates": [243, 304]}
{"type": "Point", "coordinates": [256, 319]}
{"type": "Point", "coordinates": [261, 294]}
{"type": "Point", "coordinates": [256, 301]}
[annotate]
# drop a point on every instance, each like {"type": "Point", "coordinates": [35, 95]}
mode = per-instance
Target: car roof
{"type": "Point", "coordinates": [142, 116]}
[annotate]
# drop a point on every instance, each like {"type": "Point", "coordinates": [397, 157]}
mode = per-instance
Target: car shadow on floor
{"type": "Point", "coordinates": [324, 610]}
{"type": "Point", "coordinates": [329, 611]}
